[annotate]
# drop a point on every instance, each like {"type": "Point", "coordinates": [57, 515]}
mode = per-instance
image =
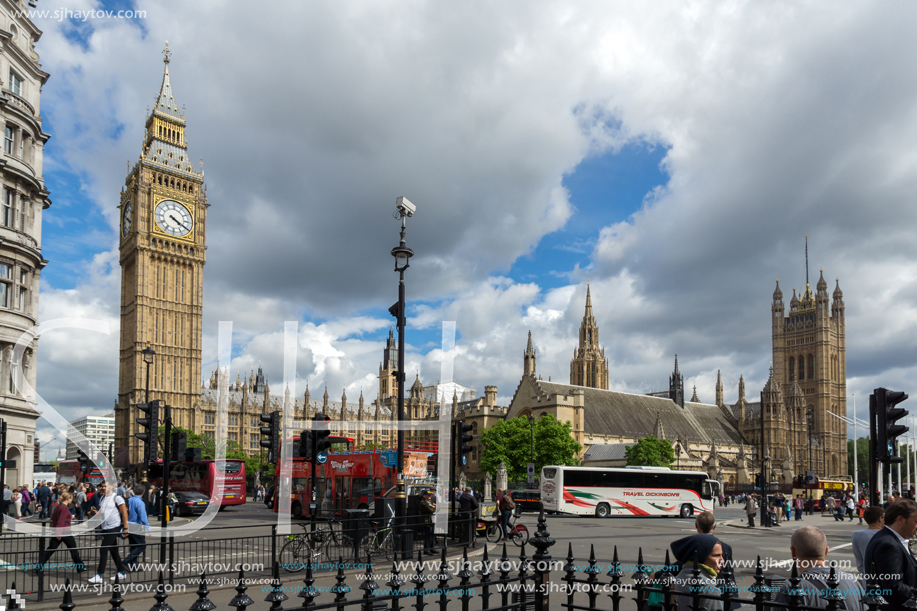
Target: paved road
{"type": "Point", "coordinates": [653, 535]}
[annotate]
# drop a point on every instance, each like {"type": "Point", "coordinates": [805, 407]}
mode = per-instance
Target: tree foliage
{"type": "Point", "coordinates": [510, 441]}
{"type": "Point", "coordinates": [650, 452]}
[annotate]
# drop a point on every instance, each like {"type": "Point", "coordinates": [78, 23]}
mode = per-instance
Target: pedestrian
{"type": "Point", "coordinates": [114, 526]}
{"type": "Point", "coordinates": [7, 500]}
{"type": "Point", "coordinates": [44, 500]}
{"type": "Point", "coordinates": [887, 555]}
{"type": "Point", "coordinates": [17, 505]}
{"type": "Point", "coordinates": [60, 522]}
{"type": "Point", "coordinates": [122, 492]}
{"type": "Point", "coordinates": [875, 519]}
{"type": "Point", "coordinates": [26, 501]}
{"type": "Point", "coordinates": [751, 510]}
{"type": "Point", "coordinates": [708, 551]}
{"type": "Point", "coordinates": [427, 508]}
{"type": "Point", "coordinates": [506, 506]}
{"type": "Point", "coordinates": [861, 509]}
{"type": "Point", "coordinates": [809, 548]}
{"type": "Point", "coordinates": [80, 502]}
{"type": "Point", "coordinates": [851, 506]}
{"type": "Point", "coordinates": [839, 510]}
{"type": "Point", "coordinates": [799, 507]}
{"type": "Point", "coordinates": [136, 514]}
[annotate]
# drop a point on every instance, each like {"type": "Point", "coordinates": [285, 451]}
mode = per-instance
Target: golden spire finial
{"type": "Point", "coordinates": [166, 53]}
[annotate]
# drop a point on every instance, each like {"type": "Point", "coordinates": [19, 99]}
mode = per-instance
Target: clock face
{"type": "Point", "coordinates": [126, 219]}
{"type": "Point", "coordinates": [173, 218]}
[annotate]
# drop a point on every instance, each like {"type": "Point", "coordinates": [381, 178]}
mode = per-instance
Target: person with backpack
{"type": "Point", "coordinates": [809, 548]}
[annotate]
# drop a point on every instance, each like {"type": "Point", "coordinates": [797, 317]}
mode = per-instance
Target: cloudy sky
{"type": "Point", "coordinates": [675, 155]}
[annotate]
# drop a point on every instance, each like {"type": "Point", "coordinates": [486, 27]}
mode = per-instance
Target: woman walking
{"type": "Point", "coordinates": [60, 522]}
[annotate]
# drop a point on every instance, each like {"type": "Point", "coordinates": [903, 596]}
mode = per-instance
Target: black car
{"type": "Point", "coordinates": [526, 500]}
{"type": "Point", "coordinates": [190, 503]}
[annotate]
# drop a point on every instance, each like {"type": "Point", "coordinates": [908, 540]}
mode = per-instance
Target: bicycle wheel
{"type": "Point", "coordinates": [368, 547]}
{"type": "Point", "coordinates": [387, 546]}
{"type": "Point", "coordinates": [520, 535]}
{"type": "Point", "coordinates": [340, 550]}
{"type": "Point", "coordinates": [494, 532]}
{"type": "Point", "coordinates": [294, 555]}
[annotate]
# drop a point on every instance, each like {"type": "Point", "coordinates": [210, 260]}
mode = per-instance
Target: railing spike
{"type": "Point", "coordinates": [203, 603]}
{"type": "Point", "coordinates": [161, 596]}
{"type": "Point", "coordinates": [276, 595]}
{"type": "Point", "coordinates": [67, 604]}
{"type": "Point", "coordinates": [241, 600]}
{"type": "Point", "coordinates": [116, 598]}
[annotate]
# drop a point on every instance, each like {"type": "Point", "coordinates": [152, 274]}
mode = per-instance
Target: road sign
{"type": "Point", "coordinates": [531, 468]}
{"type": "Point", "coordinates": [322, 458]}
{"type": "Point", "coordinates": [464, 459]}
{"type": "Point", "coordinates": [389, 458]}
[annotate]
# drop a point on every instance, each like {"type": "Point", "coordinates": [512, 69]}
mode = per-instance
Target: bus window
{"type": "Point", "coordinates": [578, 478]}
{"type": "Point", "coordinates": [707, 491]}
{"type": "Point", "coordinates": [550, 472]}
{"type": "Point", "coordinates": [228, 467]}
{"type": "Point", "coordinates": [655, 480]}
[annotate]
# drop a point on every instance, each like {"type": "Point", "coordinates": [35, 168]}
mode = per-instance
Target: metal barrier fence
{"type": "Point", "coordinates": [183, 555]}
{"type": "Point", "coordinates": [503, 585]}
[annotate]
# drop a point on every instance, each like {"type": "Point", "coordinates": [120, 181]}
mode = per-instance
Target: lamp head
{"type": "Point", "coordinates": [148, 354]}
{"type": "Point", "coordinates": [402, 256]}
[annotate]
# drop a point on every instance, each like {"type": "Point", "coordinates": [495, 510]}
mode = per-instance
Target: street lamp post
{"type": "Point", "coordinates": [402, 254]}
{"type": "Point", "coordinates": [532, 429]}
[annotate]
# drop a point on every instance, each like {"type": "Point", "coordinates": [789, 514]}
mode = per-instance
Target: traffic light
{"type": "Point", "coordinates": [304, 450]}
{"type": "Point", "coordinates": [178, 447]}
{"type": "Point", "coordinates": [193, 455]}
{"type": "Point", "coordinates": [150, 436]}
{"type": "Point", "coordinates": [85, 465]}
{"type": "Point", "coordinates": [757, 480]}
{"type": "Point", "coordinates": [272, 443]}
{"type": "Point", "coordinates": [886, 416]}
{"type": "Point", "coordinates": [320, 437]}
{"type": "Point", "coordinates": [462, 438]}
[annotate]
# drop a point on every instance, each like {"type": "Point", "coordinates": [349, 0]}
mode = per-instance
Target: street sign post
{"type": "Point", "coordinates": [531, 471]}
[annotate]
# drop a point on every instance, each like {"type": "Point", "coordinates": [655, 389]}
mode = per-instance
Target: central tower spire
{"type": "Point", "coordinates": [589, 366]}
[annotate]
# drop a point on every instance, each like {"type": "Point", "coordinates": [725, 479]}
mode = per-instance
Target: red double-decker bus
{"type": "Point", "coordinates": [203, 476]}
{"type": "Point", "coordinates": [347, 479]}
{"type": "Point", "coordinates": [68, 472]}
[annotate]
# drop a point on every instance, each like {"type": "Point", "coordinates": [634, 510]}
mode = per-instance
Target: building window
{"type": "Point", "coordinates": [9, 140]}
{"type": "Point", "coordinates": [255, 421]}
{"type": "Point", "coordinates": [8, 203]}
{"type": "Point", "coordinates": [233, 421]}
{"type": "Point", "coordinates": [254, 440]}
{"type": "Point", "coordinates": [208, 419]}
{"type": "Point", "coordinates": [15, 83]}
{"type": "Point", "coordinates": [811, 367]}
{"type": "Point", "coordinates": [6, 288]}
{"type": "Point", "coordinates": [233, 437]}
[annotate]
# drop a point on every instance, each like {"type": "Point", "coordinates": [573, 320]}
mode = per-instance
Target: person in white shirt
{"type": "Point", "coordinates": [114, 525]}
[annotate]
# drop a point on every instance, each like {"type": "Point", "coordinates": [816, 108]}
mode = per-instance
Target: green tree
{"type": "Point", "coordinates": [510, 441]}
{"type": "Point", "coordinates": [862, 451]}
{"type": "Point", "coordinates": [650, 452]}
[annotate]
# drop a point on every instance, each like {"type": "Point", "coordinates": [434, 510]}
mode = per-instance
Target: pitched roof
{"type": "Point", "coordinates": [606, 451]}
{"type": "Point", "coordinates": [609, 412]}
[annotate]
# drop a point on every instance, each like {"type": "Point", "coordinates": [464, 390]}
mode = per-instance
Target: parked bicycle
{"type": "Point", "coordinates": [518, 533]}
{"type": "Point", "coordinates": [380, 542]}
{"type": "Point", "coordinates": [325, 548]}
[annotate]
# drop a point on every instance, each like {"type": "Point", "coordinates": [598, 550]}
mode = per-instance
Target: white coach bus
{"type": "Point", "coordinates": [628, 491]}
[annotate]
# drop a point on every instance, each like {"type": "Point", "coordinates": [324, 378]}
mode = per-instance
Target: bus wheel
{"type": "Point", "coordinates": [296, 510]}
{"type": "Point", "coordinates": [602, 510]}
{"type": "Point", "coordinates": [687, 511]}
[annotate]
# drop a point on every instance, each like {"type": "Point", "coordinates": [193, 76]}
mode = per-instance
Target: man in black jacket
{"type": "Point", "coordinates": [889, 557]}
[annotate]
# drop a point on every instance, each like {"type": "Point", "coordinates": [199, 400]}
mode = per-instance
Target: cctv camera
{"type": "Point", "coordinates": [404, 206]}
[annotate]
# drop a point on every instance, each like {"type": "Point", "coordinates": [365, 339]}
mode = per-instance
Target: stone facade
{"type": "Point", "coordinates": [163, 212]}
{"type": "Point", "coordinates": [24, 198]}
{"type": "Point", "coordinates": [481, 413]}
{"type": "Point", "coordinates": [589, 366]}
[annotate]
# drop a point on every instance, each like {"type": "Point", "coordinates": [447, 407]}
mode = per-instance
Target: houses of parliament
{"type": "Point", "coordinates": [163, 208]}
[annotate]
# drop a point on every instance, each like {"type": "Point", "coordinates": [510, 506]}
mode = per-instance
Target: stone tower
{"type": "Point", "coordinates": [163, 212]}
{"type": "Point", "coordinates": [677, 386]}
{"type": "Point", "coordinates": [589, 366]}
{"type": "Point", "coordinates": [809, 354]}
{"type": "Point", "coordinates": [388, 369]}
{"type": "Point", "coordinates": [528, 359]}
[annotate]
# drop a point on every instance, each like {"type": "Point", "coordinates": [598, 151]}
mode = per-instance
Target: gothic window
{"type": "Point", "coordinates": [811, 367]}
{"type": "Point", "coordinates": [802, 368]}
{"type": "Point", "coordinates": [792, 368]}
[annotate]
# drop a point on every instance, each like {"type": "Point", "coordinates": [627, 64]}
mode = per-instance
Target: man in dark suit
{"type": "Point", "coordinates": [889, 557]}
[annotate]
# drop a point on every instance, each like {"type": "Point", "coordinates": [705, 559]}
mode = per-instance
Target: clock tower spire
{"type": "Point", "coordinates": [163, 212]}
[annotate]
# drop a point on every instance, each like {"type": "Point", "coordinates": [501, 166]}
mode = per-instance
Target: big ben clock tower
{"type": "Point", "coordinates": [163, 214]}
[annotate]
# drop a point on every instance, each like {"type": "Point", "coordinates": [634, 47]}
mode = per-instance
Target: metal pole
{"type": "Point", "coordinates": [167, 448]}
{"type": "Point", "coordinates": [765, 521]}
{"type": "Point", "coordinates": [313, 509]}
{"type": "Point", "coordinates": [874, 497]}
{"type": "Point", "coordinates": [809, 417]}
{"type": "Point", "coordinates": [856, 473]}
